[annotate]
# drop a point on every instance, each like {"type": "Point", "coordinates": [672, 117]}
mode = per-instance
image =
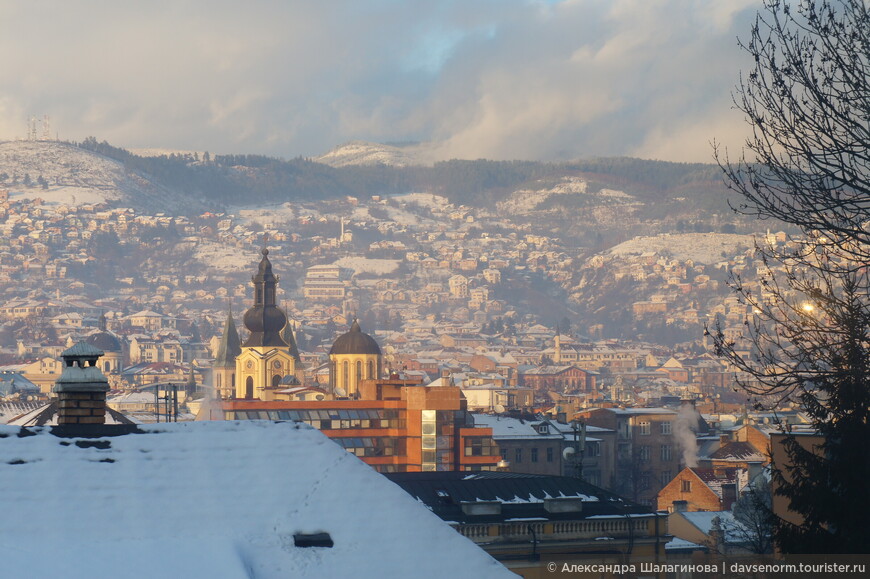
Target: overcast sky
{"type": "Point", "coordinates": [500, 79]}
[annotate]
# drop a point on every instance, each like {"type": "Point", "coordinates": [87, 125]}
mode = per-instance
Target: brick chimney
{"type": "Point", "coordinates": [81, 388]}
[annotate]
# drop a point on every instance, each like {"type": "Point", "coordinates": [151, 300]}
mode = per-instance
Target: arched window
{"type": "Point", "coordinates": [371, 371]}
{"type": "Point", "coordinates": [233, 380]}
{"type": "Point", "coordinates": [249, 387]}
{"type": "Point", "coordinates": [345, 375]}
{"type": "Point", "coordinates": [276, 380]}
{"type": "Point", "coordinates": [107, 366]}
{"type": "Point", "coordinates": [219, 381]}
{"type": "Point", "coordinates": [359, 373]}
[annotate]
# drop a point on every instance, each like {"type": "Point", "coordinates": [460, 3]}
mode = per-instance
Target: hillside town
{"type": "Point", "coordinates": [470, 321]}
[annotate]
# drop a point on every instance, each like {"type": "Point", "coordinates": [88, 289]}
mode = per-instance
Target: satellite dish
{"type": "Point", "coordinates": [499, 408]}
{"type": "Point", "coordinates": [568, 453]}
{"type": "Point", "coordinates": [340, 392]}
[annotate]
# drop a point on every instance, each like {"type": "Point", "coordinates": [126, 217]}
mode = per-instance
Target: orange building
{"type": "Point", "coordinates": [700, 489]}
{"type": "Point", "coordinates": [396, 425]}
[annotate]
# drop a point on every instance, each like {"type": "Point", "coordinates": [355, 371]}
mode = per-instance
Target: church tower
{"type": "Point", "coordinates": [224, 368]}
{"type": "Point", "coordinates": [355, 356]}
{"type": "Point", "coordinates": [266, 359]}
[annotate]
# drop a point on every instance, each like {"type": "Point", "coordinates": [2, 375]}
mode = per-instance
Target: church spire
{"type": "Point", "coordinates": [265, 320]}
{"type": "Point", "coordinates": [230, 345]}
{"type": "Point", "coordinates": [288, 336]}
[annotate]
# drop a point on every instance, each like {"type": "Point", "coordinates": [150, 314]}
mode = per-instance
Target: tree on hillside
{"type": "Point", "coordinates": [807, 163]}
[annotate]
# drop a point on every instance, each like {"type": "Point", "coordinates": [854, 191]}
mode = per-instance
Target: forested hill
{"type": "Point", "coordinates": [258, 179]}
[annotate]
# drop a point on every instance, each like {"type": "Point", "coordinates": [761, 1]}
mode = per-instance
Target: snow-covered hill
{"type": "Point", "coordinates": [364, 153]}
{"type": "Point", "coordinates": [74, 176]}
{"type": "Point", "coordinates": [707, 248]}
{"type": "Point", "coordinates": [527, 201]}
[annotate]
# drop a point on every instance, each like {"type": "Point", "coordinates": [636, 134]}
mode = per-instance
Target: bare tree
{"type": "Point", "coordinates": [807, 328]}
{"type": "Point", "coordinates": [807, 100]}
{"type": "Point", "coordinates": [754, 516]}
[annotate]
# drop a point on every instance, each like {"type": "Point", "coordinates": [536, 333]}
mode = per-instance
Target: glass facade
{"type": "Point", "coordinates": [327, 419]}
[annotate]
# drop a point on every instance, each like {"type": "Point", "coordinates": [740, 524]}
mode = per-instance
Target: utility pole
{"type": "Point", "coordinates": [579, 428]}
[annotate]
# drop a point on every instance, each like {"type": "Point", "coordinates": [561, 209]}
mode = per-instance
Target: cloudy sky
{"type": "Point", "coordinates": [501, 79]}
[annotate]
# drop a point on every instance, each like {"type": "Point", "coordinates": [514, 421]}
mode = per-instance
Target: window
{"type": "Point", "coordinates": [518, 455]}
{"type": "Point", "coordinates": [534, 455]}
{"type": "Point", "coordinates": [666, 427]}
{"type": "Point", "coordinates": [477, 446]}
{"type": "Point", "coordinates": [643, 453]}
{"type": "Point", "coordinates": [685, 486]}
{"type": "Point", "coordinates": [550, 454]}
{"type": "Point", "coordinates": [644, 427]}
{"type": "Point", "coordinates": [665, 477]}
{"type": "Point", "coordinates": [666, 452]}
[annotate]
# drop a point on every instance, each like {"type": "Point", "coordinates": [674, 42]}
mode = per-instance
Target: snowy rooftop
{"type": "Point", "coordinates": [213, 499]}
{"type": "Point", "coordinates": [504, 427]}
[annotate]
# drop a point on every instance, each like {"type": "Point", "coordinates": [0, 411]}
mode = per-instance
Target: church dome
{"type": "Point", "coordinates": [265, 320]}
{"type": "Point", "coordinates": [355, 342]}
{"type": "Point", "coordinates": [104, 341]}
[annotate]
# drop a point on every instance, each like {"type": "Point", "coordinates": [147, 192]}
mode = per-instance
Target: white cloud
{"type": "Point", "coordinates": [479, 78]}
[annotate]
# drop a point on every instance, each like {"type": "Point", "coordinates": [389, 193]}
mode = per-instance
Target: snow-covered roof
{"type": "Point", "coordinates": [214, 499]}
{"type": "Point", "coordinates": [505, 427]}
{"type": "Point", "coordinates": [703, 521]}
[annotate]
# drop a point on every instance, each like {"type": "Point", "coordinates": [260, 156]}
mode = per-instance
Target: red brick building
{"type": "Point", "coordinates": [560, 379]}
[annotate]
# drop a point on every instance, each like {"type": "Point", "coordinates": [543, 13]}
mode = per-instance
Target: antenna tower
{"type": "Point", "coordinates": [31, 128]}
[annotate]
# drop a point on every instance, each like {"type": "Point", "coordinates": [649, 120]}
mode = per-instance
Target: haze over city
{"type": "Point", "coordinates": [505, 79]}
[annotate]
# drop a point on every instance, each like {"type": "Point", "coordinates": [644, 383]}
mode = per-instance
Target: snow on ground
{"type": "Point", "coordinates": [422, 199]}
{"type": "Point", "coordinates": [526, 200]}
{"type": "Point", "coordinates": [406, 218]}
{"type": "Point", "coordinates": [365, 153]}
{"type": "Point", "coordinates": [365, 265]}
{"type": "Point", "coordinates": [74, 176]}
{"type": "Point", "coordinates": [705, 248]}
{"type": "Point", "coordinates": [73, 196]}
{"type": "Point", "coordinates": [224, 258]}
{"type": "Point", "coordinates": [269, 215]}
{"type": "Point", "coordinates": [214, 499]}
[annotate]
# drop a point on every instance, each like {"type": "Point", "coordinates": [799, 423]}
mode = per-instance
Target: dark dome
{"type": "Point", "coordinates": [267, 319]}
{"type": "Point", "coordinates": [104, 341]}
{"type": "Point", "coordinates": [355, 342]}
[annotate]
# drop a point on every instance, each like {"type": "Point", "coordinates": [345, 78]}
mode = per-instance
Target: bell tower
{"type": "Point", "coordinates": [266, 360]}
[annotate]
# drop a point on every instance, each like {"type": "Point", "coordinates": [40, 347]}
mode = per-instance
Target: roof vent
{"type": "Point", "coordinates": [479, 508]}
{"type": "Point", "coordinates": [312, 540]}
{"type": "Point", "coordinates": [563, 505]}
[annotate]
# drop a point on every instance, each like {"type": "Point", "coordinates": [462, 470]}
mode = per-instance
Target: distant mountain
{"type": "Point", "coordinates": [59, 172]}
{"type": "Point", "coordinates": [603, 193]}
{"type": "Point", "coordinates": [365, 153]}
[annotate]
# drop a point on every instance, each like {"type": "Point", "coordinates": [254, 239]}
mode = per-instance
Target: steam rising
{"type": "Point", "coordinates": [684, 430]}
